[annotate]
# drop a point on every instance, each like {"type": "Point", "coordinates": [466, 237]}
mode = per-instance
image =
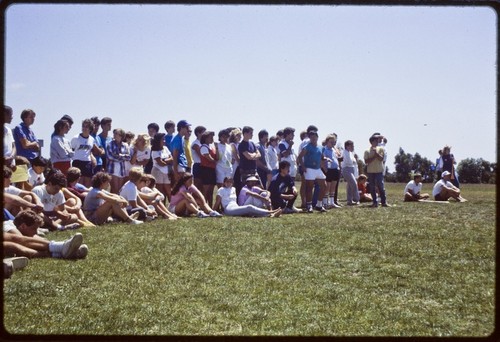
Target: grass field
{"type": "Point", "coordinates": [415, 269]}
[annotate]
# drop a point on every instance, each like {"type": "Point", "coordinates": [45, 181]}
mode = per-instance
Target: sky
{"type": "Point", "coordinates": [424, 77]}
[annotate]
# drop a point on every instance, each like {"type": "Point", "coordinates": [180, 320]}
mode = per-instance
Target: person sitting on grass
{"type": "Point", "coordinates": [444, 189]}
{"type": "Point", "coordinates": [187, 199]}
{"type": "Point", "coordinates": [283, 190]}
{"type": "Point", "coordinates": [78, 189]}
{"type": "Point", "coordinates": [73, 205]}
{"type": "Point", "coordinates": [130, 192]}
{"type": "Point", "coordinates": [16, 206]}
{"type": "Point", "coordinates": [56, 217]}
{"type": "Point", "coordinates": [364, 194]}
{"type": "Point", "coordinates": [100, 204]}
{"type": "Point", "coordinates": [33, 247]}
{"type": "Point", "coordinates": [226, 198]}
{"type": "Point", "coordinates": [152, 196]}
{"type": "Point", "coordinates": [413, 188]}
{"type": "Point", "coordinates": [253, 194]}
{"type": "Point", "coordinates": [36, 172]}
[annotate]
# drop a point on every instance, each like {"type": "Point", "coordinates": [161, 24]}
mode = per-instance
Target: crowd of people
{"type": "Point", "coordinates": [103, 175]}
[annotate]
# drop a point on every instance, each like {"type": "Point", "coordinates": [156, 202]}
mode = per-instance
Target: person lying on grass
{"type": "Point", "coordinates": [130, 192]}
{"type": "Point", "coordinates": [226, 198]}
{"type": "Point", "coordinates": [253, 194]}
{"type": "Point", "coordinates": [187, 199]}
{"type": "Point", "coordinates": [101, 205]}
{"type": "Point", "coordinates": [16, 244]}
{"type": "Point", "coordinates": [15, 206]}
{"type": "Point", "coordinates": [444, 189]}
{"type": "Point", "coordinates": [55, 215]}
{"type": "Point", "coordinates": [413, 188]}
{"type": "Point", "coordinates": [152, 196]}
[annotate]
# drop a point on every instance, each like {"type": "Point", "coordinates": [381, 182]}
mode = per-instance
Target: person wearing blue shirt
{"type": "Point", "coordinates": [26, 142]}
{"type": "Point", "coordinates": [180, 164]}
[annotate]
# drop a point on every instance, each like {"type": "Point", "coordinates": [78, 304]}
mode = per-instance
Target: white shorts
{"type": "Point", "coordinates": [223, 173]}
{"type": "Point", "coordinates": [161, 178]}
{"type": "Point", "coordinates": [313, 174]}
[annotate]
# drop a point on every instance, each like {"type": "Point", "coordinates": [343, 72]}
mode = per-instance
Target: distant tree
{"type": "Point", "coordinates": [408, 164]}
{"type": "Point", "coordinates": [472, 170]}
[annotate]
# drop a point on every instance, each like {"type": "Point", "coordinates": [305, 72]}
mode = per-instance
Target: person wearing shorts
{"type": "Point", "coordinates": [82, 145]}
{"type": "Point", "coordinates": [311, 158]}
{"type": "Point", "coordinates": [162, 160]}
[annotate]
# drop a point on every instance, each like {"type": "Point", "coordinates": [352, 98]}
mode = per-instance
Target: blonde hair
{"type": "Point", "coordinates": [147, 140]}
{"type": "Point", "coordinates": [135, 174]}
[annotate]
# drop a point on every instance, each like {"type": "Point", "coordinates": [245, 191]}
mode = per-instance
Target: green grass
{"type": "Point", "coordinates": [415, 269]}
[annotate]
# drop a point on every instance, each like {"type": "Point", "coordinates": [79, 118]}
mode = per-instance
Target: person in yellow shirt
{"type": "Point", "coordinates": [374, 159]}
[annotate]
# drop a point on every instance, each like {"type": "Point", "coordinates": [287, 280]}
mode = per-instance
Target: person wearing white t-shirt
{"type": "Point", "coordinates": [130, 192]}
{"type": "Point", "coordinates": [35, 173]}
{"type": "Point", "coordinates": [287, 152]}
{"type": "Point", "coordinates": [82, 145]}
{"type": "Point", "coordinates": [225, 160]}
{"type": "Point", "coordinates": [56, 216]}
{"type": "Point", "coordinates": [348, 172]}
{"type": "Point", "coordinates": [162, 163]}
{"type": "Point", "coordinates": [413, 188]}
{"type": "Point", "coordinates": [226, 198]}
{"type": "Point", "coordinates": [9, 145]}
{"type": "Point", "coordinates": [444, 189]}
{"type": "Point", "coordinates": [25, 199]}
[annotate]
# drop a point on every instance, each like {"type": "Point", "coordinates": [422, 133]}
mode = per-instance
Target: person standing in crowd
{"type": "Point", "coordinates": [100, 151]}
{"type": "Point", "coordinates": [225, 160]}
{"type": "Point", "coordinates": [162, 160]}
{"type": "Point", "coordinates": [61, 152]}
{"type": "Point", "coordinates": [374, 159]}
{"type": "Point", "coordinates": [311, 158]}
{"type": "Point", "coordinates": [118, 153]}
{"type": "Point", "coordinates": [348, 166]}
{"type": "Point", "coordinates": [140, 150]}
{"type": "Point", "coordinates": [180, 164]}
{"type": "Point", "coordinates": [439, 165]}
{"type": "Point", "coordinates": [82, 145]}
{"type": "Point", "coordinates": [103, 139]}
{"type": "Point", "coordinates": [153, 128]}
{"type": "Point", "coordinates": [286, 150]}
{"type": "Point", "coordinates": [272, 153]}
{"type": "Point", "coordinates": [248, 155]}
{"type": "Point", "coordinates": [27, 145]}
{"type": "Point", "coordinates": [187, 150]}
{"type": "Point", "coordinates": [332, 171]}
{"type": "Point", "coordinates": [234, 141]}
{"type": "Point", "coordinates": [263, 167]}
{"type": "Point", "coordinates": [170, 129]}
{"type": "Point", "coordinates": [9, 145]}
{"type": "Point", "coordinates": [195, 153]}
{"type": "Point", "coordinates": [208, 162]}
{"type": "Point", "coordinates": [449, 163]}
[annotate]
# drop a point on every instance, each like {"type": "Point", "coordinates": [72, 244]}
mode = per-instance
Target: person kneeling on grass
{"type": "Point", "coordinates": [187, 199]}
{"type": "Point", "coordinates": [413, 188]}
{"type": "Point", "coordinates": [56, 217]}
{"type": "Point", "coordinates": [152, 196]}
{"type": "Point", "coordinates": [130, 192]}
{"type": "Point", "coordinates": [16, 244]}
{"type": "Point", "coordinates": [444, 189]}
{"type": "Point", "coordinates": [364, 194]}
{"type": "Point", "coordinates": [100, 205]}
{"type": "Point", "coordinates": [226, 197]}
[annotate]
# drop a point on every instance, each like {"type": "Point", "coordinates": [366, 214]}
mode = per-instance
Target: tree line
{"type": "Point", "coordinates": [469, 170]}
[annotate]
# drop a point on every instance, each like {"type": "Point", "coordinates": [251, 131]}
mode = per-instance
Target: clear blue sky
{"type": "Point", "coordinates": [423, 76]}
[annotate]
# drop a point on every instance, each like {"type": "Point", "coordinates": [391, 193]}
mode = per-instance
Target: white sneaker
{"type": "Point", "coordinates": [136, 222]}
{"type": "Point", "coordinates": [82, 252]}
{"type": "Point", "coordinates": [213, 213]}
{"type": "Point", "coordinates": [71, 245]}
{"type": "Point", "coordinates": [18, 262]}
{"type": "Point", "coordinates": [201, 214]}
